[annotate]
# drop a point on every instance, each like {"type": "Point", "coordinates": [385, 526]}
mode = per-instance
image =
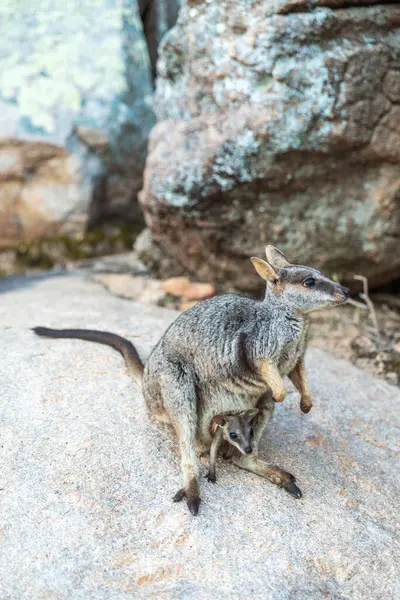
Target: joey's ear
{"type": "Point", "coordinates": [219, 420]}
{"type": "Point", "coordinates": [264, 269]}
{"type": "Point", "coordinates": [251, 414]}
{"type": "Point", "coordinates": [276, 258]}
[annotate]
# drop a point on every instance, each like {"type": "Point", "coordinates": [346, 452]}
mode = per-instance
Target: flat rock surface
{"type": "Point", "coordinates": [86, 481]}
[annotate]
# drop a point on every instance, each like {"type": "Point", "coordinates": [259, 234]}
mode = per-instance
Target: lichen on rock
{"type": "Point", "coordinates": [277, 126]}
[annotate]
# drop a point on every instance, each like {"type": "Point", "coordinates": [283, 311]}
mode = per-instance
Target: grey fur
{"type": "Point", "coordinates": [229, 353]}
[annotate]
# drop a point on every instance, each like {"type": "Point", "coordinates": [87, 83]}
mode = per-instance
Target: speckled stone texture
{"type": "Point", "coordinates": [280, 127]}
{"type": "Point", "coordinates": [86, 482]}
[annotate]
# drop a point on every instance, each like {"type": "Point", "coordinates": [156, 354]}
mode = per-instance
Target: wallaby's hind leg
{"type": "Point", "coordinates": [190, 465]}
{"type": "Point", "coordinates": [274, 474]}
{"type": "Point", "coordinates": [256, 465]}
{"type": "Point", "coordinates": [179, 399]}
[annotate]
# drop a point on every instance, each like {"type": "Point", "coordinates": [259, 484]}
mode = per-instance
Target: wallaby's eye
{"type": "Point", "coordinates": [233, 435]}
{"type": "Point", "coordinates": [309, 282]}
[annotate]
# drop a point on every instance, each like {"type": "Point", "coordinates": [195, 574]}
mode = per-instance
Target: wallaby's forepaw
{"type": "Point", "coordinates": [192, 500]}
{"type": "Point", "coordinates": [279, 396]}
{"type": "Point", "coordinates": [306, 404]}
{"type": "Point", "coordinates": [226, 451]}
{"type": "Point", "coordinates": [211, 477]}
{"type": "Point", "coordinates": [288, 484]}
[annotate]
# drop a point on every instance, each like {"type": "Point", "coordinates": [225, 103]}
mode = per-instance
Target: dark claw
{"type": "Point", "coordinates": [193, 502]}
{"type": "Point", "coordinates": [211, 478]}
{"type": "Point", "coordinates": [306, 409]}
{"type": "Point", "coordinates": [180, 494]}
{"type": "Point", "coordinates": [292, 488]}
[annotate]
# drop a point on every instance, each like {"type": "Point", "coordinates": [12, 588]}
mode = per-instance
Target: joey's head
{"type": "Point", "coordinates": [303, 288]}
{"type": "Point", "coordinates": [237, 429]}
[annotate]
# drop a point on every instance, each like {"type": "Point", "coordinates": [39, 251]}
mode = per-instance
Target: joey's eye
{"type": "Point", "coordinates": [310, 282]}
{"type": "Point", "coordinates": [233, 435]}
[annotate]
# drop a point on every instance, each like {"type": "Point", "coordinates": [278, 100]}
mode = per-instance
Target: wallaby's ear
{"type": "Point", "coordinates": [220, 420]}
{"type": "Point", "coordinates": [264, 269]}
{"type": "Point", "coordinates": [251, 414]}
{"type": "Point", "coordinates": [276, 258]}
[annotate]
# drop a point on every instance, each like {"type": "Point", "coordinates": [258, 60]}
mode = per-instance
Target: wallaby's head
{"type": "Point", "coordinates": [237, 429]}
{"type": "Point", "coordinates": [303, 288]}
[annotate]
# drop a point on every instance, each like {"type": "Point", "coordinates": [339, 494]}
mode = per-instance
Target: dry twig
{"type": "Point", "coordinates": [365, 296]}
{"type": "Point", "coordinates": [357, 304]}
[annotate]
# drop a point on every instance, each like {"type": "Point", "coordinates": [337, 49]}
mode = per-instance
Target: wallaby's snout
{"type": "Point", "coordinates": [248, 450]}
{"type": "Point", "coordinates": [341, 294]}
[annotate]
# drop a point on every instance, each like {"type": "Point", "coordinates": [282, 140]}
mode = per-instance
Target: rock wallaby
{"type": "Point", "coordinates": [229, 353]}
{"type": "Point", "coordinates": [234, 429]}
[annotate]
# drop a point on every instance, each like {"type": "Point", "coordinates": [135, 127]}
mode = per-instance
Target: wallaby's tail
{"type": "Point", "coordinates": [125, 347]}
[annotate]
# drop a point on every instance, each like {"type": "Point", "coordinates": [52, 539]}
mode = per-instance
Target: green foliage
{"type": "Point", "coordinates": [50, 251]}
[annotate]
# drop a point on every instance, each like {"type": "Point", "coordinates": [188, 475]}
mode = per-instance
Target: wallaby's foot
{"type": "Point", "coordinates": [211, 477]}
{"type": "Point", "coordinates": [180, 495]}
{"type": "Point", "coordinates": [306, 404]}
{"type": "Point", "coordinates": [192, 499]}
{"type": "Point", "coordinates": [274, 474]}
{"type": "Point", "coordinates": [288, 484]}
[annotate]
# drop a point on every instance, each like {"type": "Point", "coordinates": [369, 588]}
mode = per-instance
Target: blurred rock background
{"type": "Point", "coordinates": [162, 139]}
{"type": "Point", "coordinates": [76, 84]}
{"type": "Point", "coordinates": [285, 128]}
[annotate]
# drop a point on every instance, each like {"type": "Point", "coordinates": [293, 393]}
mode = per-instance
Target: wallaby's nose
{"type": "Point", "coordinates": [248, 450]}
{"type": "Point", "coordinates": [346, 291]}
